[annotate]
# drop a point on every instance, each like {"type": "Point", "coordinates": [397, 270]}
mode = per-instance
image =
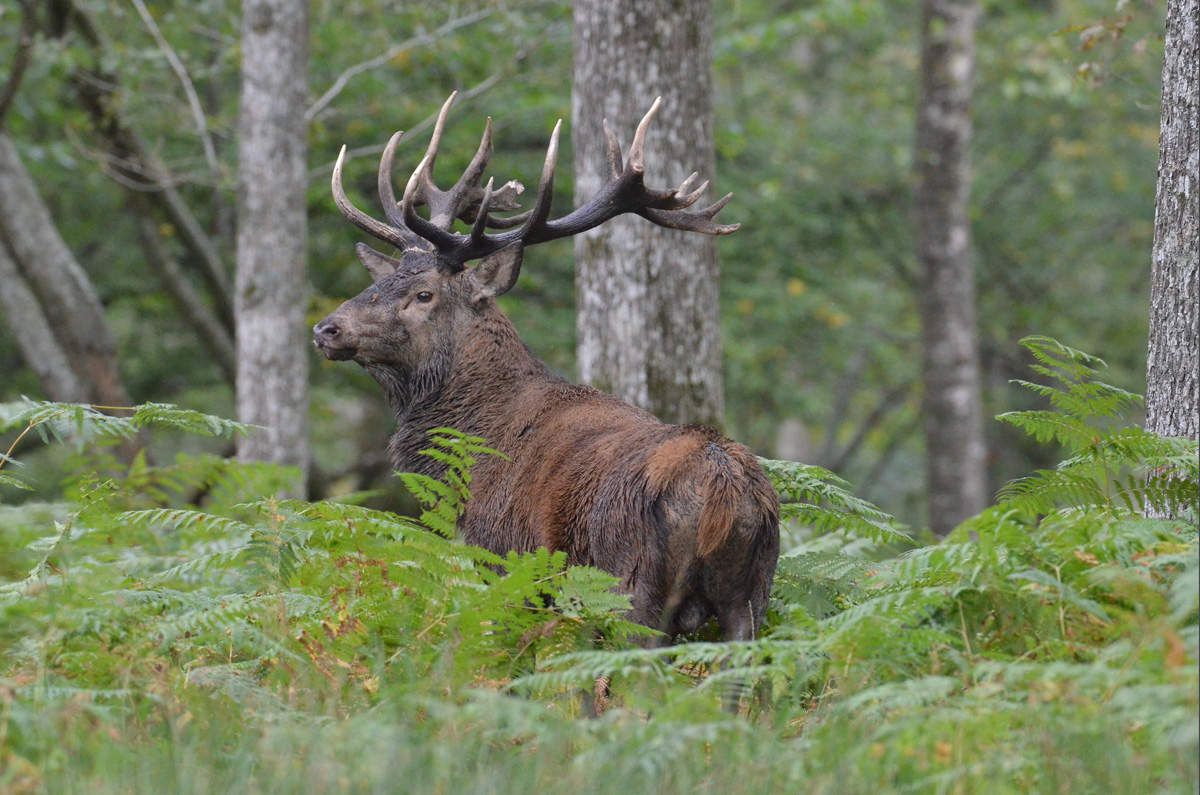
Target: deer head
{"type": "Point", "coordinates": [425, 301]}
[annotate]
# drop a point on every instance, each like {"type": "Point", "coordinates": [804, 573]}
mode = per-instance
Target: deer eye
{"type": "Point", "coordinates": [424, 296]}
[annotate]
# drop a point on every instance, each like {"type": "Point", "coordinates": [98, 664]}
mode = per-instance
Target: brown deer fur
{"type": "Point", "coordinates": [685, 517]}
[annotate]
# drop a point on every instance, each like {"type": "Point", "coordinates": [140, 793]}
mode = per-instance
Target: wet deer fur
{"type": "Point", "coordinates": [685, 517]}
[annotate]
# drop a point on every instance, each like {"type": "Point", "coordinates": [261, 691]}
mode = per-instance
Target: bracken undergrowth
{"type": "Point", "coordinates": [166, 628]}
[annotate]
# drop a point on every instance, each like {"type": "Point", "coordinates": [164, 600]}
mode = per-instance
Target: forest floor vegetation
{"type": "Point", "coordinates": [165, 628]}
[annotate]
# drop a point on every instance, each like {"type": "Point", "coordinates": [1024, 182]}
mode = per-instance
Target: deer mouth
{"type": "Point", "coordinates": [335, 352]}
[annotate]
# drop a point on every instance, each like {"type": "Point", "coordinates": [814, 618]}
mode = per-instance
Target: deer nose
{"type": "Point", "coordinates": [326, 330]}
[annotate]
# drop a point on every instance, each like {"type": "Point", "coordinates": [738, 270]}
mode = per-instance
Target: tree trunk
{"type": "Point", "coordinates": [34, 336]}
{"type": "Point", "coordinates": [1172, 394]}
{"type": "Point", "coordinates": [954, 443]}
{"type": "Point", "coordinates": [647, 298]}
{"type": "Point", "coordinates": [271, 290]}
{"type": "Point", "coordinates": [64, 293]}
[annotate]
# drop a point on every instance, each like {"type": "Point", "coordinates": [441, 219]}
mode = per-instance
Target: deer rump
{"type": "Point", "coordinates": [685, 517]}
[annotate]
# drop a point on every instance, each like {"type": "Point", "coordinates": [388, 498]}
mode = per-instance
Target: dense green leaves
{"type": "Point", "coordinates": [814, 118]}
{"type": "Point", "coordinates": [821, 501]}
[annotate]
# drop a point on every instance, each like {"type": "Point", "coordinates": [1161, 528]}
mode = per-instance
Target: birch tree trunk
{"type": "Point", "coordinates": [270, 294]}
{"type": "Point", "coordinates": [63, 295]}
{"type": "Point", "coordinates": [1172, 394]}
{"type": "Point", "coordinates": [648, 318]}
{"type": "Point", "coordinates": [954, 442]}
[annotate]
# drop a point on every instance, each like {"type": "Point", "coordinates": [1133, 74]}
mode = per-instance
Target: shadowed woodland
{"type": "Point", "coordinates": [962, 245]}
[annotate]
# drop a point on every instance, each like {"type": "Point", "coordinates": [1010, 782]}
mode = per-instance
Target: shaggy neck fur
{"type": "Point", "coordinates": [468, 385]}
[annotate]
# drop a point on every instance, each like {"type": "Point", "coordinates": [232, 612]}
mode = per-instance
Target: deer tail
{"type": "Point", "coordinates": [719, 511]}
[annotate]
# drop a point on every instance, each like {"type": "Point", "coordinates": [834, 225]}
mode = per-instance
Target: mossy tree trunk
{"type": "Point", "coordinates": [647, 297]}
{"type": "Point", "coordinates": [953, 411]}
{"type": "Point", "coordinates": [271, 292]}
{"type": "Point", "coordinates": [1172, 393]}
{"type": "Point", "coordinates": [49, 300]}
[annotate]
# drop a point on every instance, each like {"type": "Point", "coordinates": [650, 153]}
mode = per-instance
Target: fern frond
{"type": "Point", "coordinates": [1050, 426]}
{"type": "Point", "coordinates": [180, 519]}
{"type": "Point", "coordinates": [166, 415]}
{"type": "Point", "coordinates": [820, 500]}
{"type": "Point", "coordinates": [875, 702]}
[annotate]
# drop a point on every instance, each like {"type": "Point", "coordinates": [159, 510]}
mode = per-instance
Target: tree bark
{"type": "Point", "coordinates": [271, 289]}
{"type": "Point", "coordinates": [953, 411]}
{"type": "Point", "coordinates": [63, 291]}
{"type": "Point", "coordinates": [34, 335]}
{"type": "Point", "coordinates": [1172, 393]}
{"type": "Point", "coordinates": [648, 318]}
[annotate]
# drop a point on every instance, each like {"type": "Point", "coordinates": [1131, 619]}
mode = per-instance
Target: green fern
{"type": "Point", "coordinates": [1050, 640]}
{"type": "Point", "coordinates": [1121, 469]}
{"type": "Point", "coordinates": [445, 499]}
{"type": "Point", "coordinates": [821, 501]}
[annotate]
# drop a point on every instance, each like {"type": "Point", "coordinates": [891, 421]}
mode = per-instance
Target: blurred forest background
{"type": "Point", "coordinates": [169, 622]}
{"type": "Point", "coordinates": [127, 114]}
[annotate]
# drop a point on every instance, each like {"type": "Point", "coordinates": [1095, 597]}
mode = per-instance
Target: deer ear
{"type": "Point", "coordinates": [381, 266]}
{"type": "Point", "coordinates": [497, 273]}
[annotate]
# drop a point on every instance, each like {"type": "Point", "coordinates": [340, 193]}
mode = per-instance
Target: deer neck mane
{"type": "Point", "coordinates": [469, 387]}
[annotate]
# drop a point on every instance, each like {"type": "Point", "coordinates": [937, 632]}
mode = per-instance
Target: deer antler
{"type": "Point", "coordinates": [461, 201]}
{"type": "Point", "coordinates": [624, 192]}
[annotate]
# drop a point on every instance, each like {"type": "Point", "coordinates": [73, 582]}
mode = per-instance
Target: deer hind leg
{"type": "Point", "coordinates": [737, 622]}
{"type": "Point", "coordinates": [598, 700]}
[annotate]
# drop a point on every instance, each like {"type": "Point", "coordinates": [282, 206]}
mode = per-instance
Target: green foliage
{"type": "Point", "coordinates": [821, 501]}
{"type": "Point", "coordinates": [153, 638]}
{"type": "Point", "coordinates": [63, 421]}
{"type": "Point", "coordinates": [1121, 470]}
{"type": "Point", "coordinates": [818, 289]}
{"type": "Point", "coordinates": [248, 599]}
{"type": "Point", "coordinates": [82, 424]}
{"type": "Point", "coordinates": [444, 500]}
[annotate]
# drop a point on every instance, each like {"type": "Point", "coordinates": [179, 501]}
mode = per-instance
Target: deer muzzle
{"type": "Point", "coordinates": [331, 339]}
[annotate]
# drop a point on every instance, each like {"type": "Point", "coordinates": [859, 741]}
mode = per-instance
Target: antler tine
{"type": "Point", "coordinates": [686, 185]}
{"type": "Point", "coordinates": [685, 196]}
{"type": "Point", "coordinates": [398, 237]}
{"type": "Point", "coordinates": [427, 192]}
{"type": "Point", "coordinates": [637, 149]}
{"type": "Point", "coordinates": [510, 221]}
{"type": "Point", "coordinates": [694, 221]}
{"type": "Point", "coordinates": [387, 192]}
{"type": "Point", "coordinates": [460, 191]}
{"type": "Point", "coordinates": [635, 168]}
{"type": "Point", "coordinates": [435, 141]}
{"type": "Point", "coordinates": [441, 238]}
{"type": "Point", "coordinates": [534, 229]}
{"type": "Point", "coordinates": [481, 217]}
{"type": "Point", "coordinates": [461, 198]}
{"type": "Point", "coordinates": [612, 150]}
{"type": "Point", "coordinates": [541, 206]}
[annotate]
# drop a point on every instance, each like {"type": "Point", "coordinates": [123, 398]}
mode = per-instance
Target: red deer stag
{"type": "Point", "coordinates": [685, 517]}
